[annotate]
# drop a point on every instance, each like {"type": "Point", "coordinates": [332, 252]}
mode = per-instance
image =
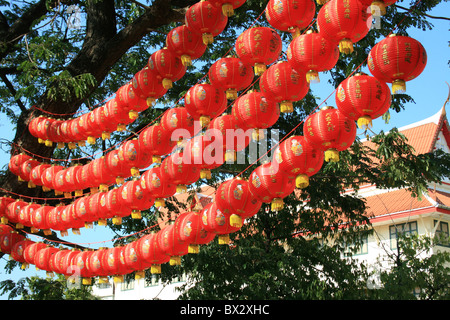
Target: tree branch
{"type": "Point", "coordinates": [13, 91]}
{"type": "Point", "coordinates": [423, 13]}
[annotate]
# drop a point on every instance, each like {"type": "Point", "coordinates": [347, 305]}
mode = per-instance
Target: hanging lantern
{"type": "Point", "coordinates": [179, 124]}
{"type": "Point", "coordinates": [181, 174]}
{"type": "Point", "coordinates": [48, 177]}
{"type": "Point", "coordinates": [217, 222]}
{"type": "Point", "coordinates": [259, 46]}
{"type": "Point", "coordinates": [284, 85]}
{"type": "Point", "coordinates": [133, 197]}
{"type": "Point", "coordinates": [114, 263]}
{"type": "Point", "coordinates": [206, 19]}
{"type": "Point", "coordinates": [4, 202]}
{"type": "Point", "coordinates": [156, 141]}
{"type": "Point", "coordinates": [363, 98]}
{"type": "Point", "coordinates": [60, 185]}
{"type": "Point", "coordinates": [147, 86]}
{"type": "Point", "coordinates": [397, 59]}
{"type": "Point", "coordinates": [39, 217]}
{"type": "Point", "coordinates": [17, 251]}
{"type": "Point", "coordinates": [55, 262]}
{"type": "Point", "coordinates": [131, 101]}
{"type": "Point", "coordinates": [29, 253]}
{"type": "Point", "coordinates": [254, 111]}
{"type": "Point", "coordinates": [116, 167]}
{"type": "Point", "coordinates": [34, 127]}
{"type": "Point", "coordinates": [42, 259]}
{"type": "Point", "coordinates": [345, 22]}
{"type": "Point", "coordinates": [154, 186]}
{"type": "Point", "coordinates": [290, 16]}
{"type": "Point", "coordinates": [228, 6]}
{"type": "Point", "coordinates": [15, 163]}
{"type": "Point", "coordinates": [135, 156]}
{"type": "Point", "coordinates": [331, 131]}
{"type": "Point", "coordinates": [231, 75]}
{"type": "Point", "coordinates": [71, 179]}
{"type": "Point", "coordinates": [95, 265]}
{"type": "Point", "coordinates": [171, 245]}
{"type": "Point", "coordinates": [81, 261]}
{"type": "Point", "coordinates": [311, 53]}
{"type": "Point", "coordinates": [55, 222]}
{"type": "Point", "coordinates": [13, 210]}
{"type": "Point", "coordinates": [227, 138]}
{"type": "Point", "coordinates": [204, 101]}
{"type": "Point", "coordinates": [25, 171]}
{"type": "Point", "coordinates": [134, 261]}
{"type": "Point", "coordinates": [93, 212]}
{"type": "Point", "coordinates": [377, 7]}
{"type": "Point", "coordinates": [192, 231]}
{"type": "Point", "coordinates": [186, 44]}
{"type": "Point", "coordinates": [25, 215]}
{"type": "Point", "coordinates": [75, 133]}
{"type": "Point", "coordinates": [103, 120]}
{"type": "Point", "coordinates": [8, 240]}
{"type": "Point", "coordinates": [37, 173]}
{"type": "Point", "coordinates": [299, 159]}
{"type": "Point", "coordinates": [116, 206]}
{"type": "Point", "coordinates": [167, 65]}
{"type": "Point", "coordinates": [120, 116]}
{"type": "Point", "coordinates": [234, 198]}
{"type": "Point", "coordinates": [270, 185]}
{"type": "Point", "coordinates": [150, 252]}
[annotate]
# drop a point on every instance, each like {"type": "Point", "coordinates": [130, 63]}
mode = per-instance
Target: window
{"type": "Point", "coordinates": [402, 229]}
{"type": "Point", "coordinates": [357, 246]}
{"type": "Point", "coordinates": [127, 285]}
{"type": "Point", "coordinates": [442, 233]}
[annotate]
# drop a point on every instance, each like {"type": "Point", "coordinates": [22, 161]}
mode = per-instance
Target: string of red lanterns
{"type": "Point", "coordinates": [217, 218]}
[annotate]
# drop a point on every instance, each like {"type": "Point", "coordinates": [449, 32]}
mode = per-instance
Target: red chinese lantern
{"type": "Point", "coordinates": [156, 141]}
{"type": "Point", "coordinates": [134, 261]}
{"type": "Point", "coordinates": [37, 172]}
{"type": "Point", "coordinates": [150, 252]}
{"type": "Point", "coordinates": [345, 22]}
{"type": "Point", "coordinates": [192, 231]}
{"type": "Point", "coordinates": [48, 177]}
{"type": "Point", "coordinates": [171, 245]}
{"type": "Point", "coordinates": [103, 119]}
{"type": "Point", "coordinates": [116, 166]}
{"type": "Point", "coordinates": [39, 220]}
{"type": "Point", "coordinates": [167, 65]}
{"type": "Point", "coordinates": [83, 209]}
{"type": "Point", "coordinates": [55, 221]}
{"type": "Point", "coordinates": [71, 179]}
{"type": "Point", "coordinates": [42, 258]}
{"type": "Point", "coordinates": [80, 260]}
{"type": "Point", "coordinates": [13, 210]}
{"type": "Point", "coordinates": [15, 163]}
{"type": "Point", "coordinates": [55, 262]}
{"type": "Point", "coordinates": [270, 185]}
{"type": "Point", "coordinates": [206, 19]}
{"type": "Point", "coordinates": [113, 264]}
{"type": "Point", "coordinates": [24, 215]}
{"type": "Point", "coordinates": [259, 46]}
{"type": "Point", "coordinates": [75, 132]}
{"type": "Point", "coordinates": [204, 101]}
{"type": "Point", "coordinates": [25, 171]}
{"type": "Point", "coordinates": [34, 127]}
{"type": "Point", "coordinates": [311, 53]}
{"type": "Point", "coordinates": [231, 75]}
{"type": "Point", "coordinates": [116, 206]}
{"type": "Point", "coordinates": [29, 254]}
{"type": "Point", "coordinates": [60, 185]}
{"type": "Point", "coordinates": [179, 123]}
{"type": "Point", "coordinates": [4, 202]}
{"type": "Point", "coordinates": [199, 152]}
{"type": "Point", "coordinates": [377, 7]}
{"type": "Point", "coordinates": [234, 197]}
{"type": "Point", "coordinates": [147, 85]}
{"type": "Point", "coordinates": [228, 6]}
{"type": "Point", "coordinates": [18, 250]}
{"type": "Point", "coordinates": [134, 156]}
{"type": "Point", "coordinates": [290, 16]}
{"type": "Point", "coordinates": [227, 138]}
{"type": "Point", "coordinates": [363, 98]}
{"type": "Point", "coordinates": [119, 115]}
{"type": "Point", "coordinates": [67, 263]}
{"type": "Point", "coordinates": [297, 158]}
{"type": "Point", "coordinates": [331, 131]}
{"type": "Point", "coordinates": [254, 111]}
{"type": "Point", "coordinates": [284, 85]}
{"type": "Point", "coordinates": [186, 44]}
{"type": "Point", "coordinates": [397, 59]}
{"type": "Point", "coordinates": [8, 240]}
{"type": "Point", "coordinates": [181, 174]}
{"type": "Point", "coordinates": [133, 197]}
{"type": "Point", "coordinates": [217, 222]}
{"type": "Point", "coordinates": [96, 266]}
{"type": "Point", "coordinates": [154, 186]}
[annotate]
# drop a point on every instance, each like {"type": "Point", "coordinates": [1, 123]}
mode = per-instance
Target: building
{"type": "Point", "coordinates": [391, 211]}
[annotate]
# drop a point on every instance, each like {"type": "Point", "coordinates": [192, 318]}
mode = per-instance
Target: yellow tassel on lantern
{"type": "Point", "coordinates": [117, 221]}
{"type": "Point", "coordinates": [150, 101]}
{"type": "Point", "coordinates": [139, 275]}
{"type": "Point", "coordinates": [258, 134]}
{"type": "Point", "coordinates": [224, 238]}
{"type": "Point", "coordinates": [193, 248]}
{"type": "Point", "coordinates": [155, 269]}
{"type": "Point", "coordinates": [260, 68]}
{"type": "Point", "coordinates": [93, 190]}
{"type": "Point", "coordinates": [364, 122]}
{"type": "Point", "coordinates": [118, 278]}
{"type": "Point", "coordinates": [160, 202]}
{"type": "Point", "coordinates": [175, 261]}
{"type": "Point", "coordinates": [19, 226]}
{"type": "Point", "coordinates": [88, 225]}
{"type": "Point", "coordinates": [302, 181]}
{"type": "Point", "coordinates": [103, 187]}
{"type": "Point", "coordinates": [207, 38]}
{"type": "Point", "coordinates": [331, 155]}
{"type": "Point", "coordinates": [31, 185]}
{"type": "Point", "coordinates": [186, 60]}
{"type": "Point", "coordinates": [321, 2]}
{"type": "Point", "coordinates": [72, 145]}
{"type": "Point", "coordinates": [4, 220]}
{"type": "Point", "coordinates": [312, 76]}
{"type": "Point", "coordinates": [204, 120]}
{"type": "Point", "coordinates": [277, 204]}
{"type": "Point", "coordinates": [78, 193]}
{"type": "Point", "coordinates": [24, 266]}
{"type": "Point", "coordinates": [102, 222]}
{"type": "Point", "coordinates": [231, 94]}
{"type": "Point", "coordinates": [346, 46]}
{"type": "Point", "coordinates": [378, 8]}
{"type": "Point", "coordinates": [120, 180]}
{"type": "Point", "coordinates": [91, 140]}
{"type": "Point", "coordinates": [76, 231]}
{"type": "Point", "coordinates": [181, 188]}
{"type": "Point", "coordinates": [58, 193]}
{"type": "Point", "coordinates": [60, 145]}
{"type": "Point", "coordinates": [106, 135]}
{"type": "Point", "coordinates": [167, 83]}
{"type": "Point", "coordinates": [227, 9]}
{"type": "Point", "coordinates": [156, 159]}
{"type": "Point", "coordinates": [286, 106]}
{"type": "Point", "coordinates": [67, 195]}
{"type": "Point", "coordinates": [41, 141]}
{"type": "Point", "coordinates": [295, 31]}
{"type": "Point", "coordinates": [398, 86]}
{"type": "Point", "coordinates": [86, 281]}
{"type": "Point", "coordinates": [81, 143]}
{"type": "Point", "coordinates": [64, 233]}
{"type": "Point", "coordinates": [135, 172]}
{"type": "Point", "coordinates": [133, 114]}
{"type": "Point", "coordinates": [235, 221]}
{"type": "Point", "coordinates": [136, 214]}
{"type": "Point", "coordinates": [205, 174]}
{"type": "Point", "coordinates": [230, 156]}
{"type": "Point", "coordinates": [103, 280]}
{"type": "Point", "coordinates": [34, 230]}
{"type": "Point", "coordinates": [121, 127]}
{"type": "Point", "coordinates": [48, 143]}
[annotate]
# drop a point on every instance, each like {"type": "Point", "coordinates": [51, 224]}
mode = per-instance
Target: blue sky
{"type": "Point", "coordinates": [429, 91]}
